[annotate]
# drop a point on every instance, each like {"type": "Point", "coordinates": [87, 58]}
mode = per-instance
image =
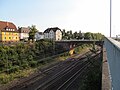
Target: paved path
{"type": "Point", "coordinates": [106, 85]}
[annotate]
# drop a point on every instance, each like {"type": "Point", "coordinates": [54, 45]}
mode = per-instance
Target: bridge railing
{"type": "Point", "coordinates": [78, 40]}
{"type": "Point", "coordinates": [113, 56]}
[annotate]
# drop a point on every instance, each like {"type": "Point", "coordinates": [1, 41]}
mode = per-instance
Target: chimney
{"type": "Point", "coordinates": [7, 24]}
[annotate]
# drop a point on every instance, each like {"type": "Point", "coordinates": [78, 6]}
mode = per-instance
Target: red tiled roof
{"type": "Point", "coordinates": [4, 25]}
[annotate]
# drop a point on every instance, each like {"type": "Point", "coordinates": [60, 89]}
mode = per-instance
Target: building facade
{"type": "Point", "coordinates": [53, 33]}
{"type": "Point", "coordinates": [8, 32]}
{"type": "Point", "coordinates": [23, 33]}
{"type": "Point", "coordinates": [39, 35]}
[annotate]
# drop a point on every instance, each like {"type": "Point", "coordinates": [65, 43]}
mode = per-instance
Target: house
{"type": "Point", "coordinates": [53, 33]}
{"type": "Point", "coordinates": [23, 33]}
{"type": "Point", "coordinates": [8, 32]}
{"type": "Point", "coordinates": [39, 35]}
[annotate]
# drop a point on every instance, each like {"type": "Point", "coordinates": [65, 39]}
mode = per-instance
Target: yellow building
{"type": "Point", "coordinates": [8, 32]}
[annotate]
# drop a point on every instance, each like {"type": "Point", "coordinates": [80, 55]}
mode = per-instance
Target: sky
{"type": "Point", "coordinates": [85, 15]}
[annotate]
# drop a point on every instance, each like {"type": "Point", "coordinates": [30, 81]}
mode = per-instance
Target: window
{"type": "Point", "coordinates": [16, 37]}
{"type": "Point", "coordinates": [5, 38]}
{"type": "Point", "coordinates": [9, 37]}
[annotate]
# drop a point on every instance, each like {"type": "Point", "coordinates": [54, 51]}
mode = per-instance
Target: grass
{"type": "Point", "coordinates": [5, 78]}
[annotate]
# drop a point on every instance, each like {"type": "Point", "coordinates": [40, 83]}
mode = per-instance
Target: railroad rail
{"type": "Point", "coordinates": [56, 83]}
{"type": "Point", "coordinates": [63, 69]}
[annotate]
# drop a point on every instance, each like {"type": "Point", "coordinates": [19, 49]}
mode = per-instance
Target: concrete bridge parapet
{"type": "Point", "coordinates": [113, 55]}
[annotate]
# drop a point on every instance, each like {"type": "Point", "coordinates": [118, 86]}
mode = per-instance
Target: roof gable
{"type": "Point", "coordinates": [24, 30]}
{"type": "Point", "coordinates": [49, 29]}
{"type": "Point", "coordinates": [4, 25]}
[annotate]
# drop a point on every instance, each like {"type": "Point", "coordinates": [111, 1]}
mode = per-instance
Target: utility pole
{"type": "Point", "coordinates": [110, 16]}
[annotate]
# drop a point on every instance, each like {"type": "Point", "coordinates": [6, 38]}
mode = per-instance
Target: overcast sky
{"type": "Point", "coordinates": [75, 15]}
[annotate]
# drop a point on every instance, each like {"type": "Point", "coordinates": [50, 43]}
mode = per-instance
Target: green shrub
{"type": "Point", "coordinates": [33, 63]}
{"type": "Point", "coordinates": [5, 79]}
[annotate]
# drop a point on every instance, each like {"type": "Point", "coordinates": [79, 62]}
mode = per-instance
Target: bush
{"type": "Point", "coordinates": [5, 78]}
{"type": "Point", "coordinates": [23, 56]}
{"type": "Point", "coordinates": [13, 69]}
{"type": "Point", "coordinates": [25, 66]}
{"type": "Point", "coordinates": [33, 63]}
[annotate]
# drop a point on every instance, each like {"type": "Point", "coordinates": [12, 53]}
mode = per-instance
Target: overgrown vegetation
{"type": "Point", "coordinates": [93, 79]}
{"type": "Point", "coordinates": [20, 60]}
{"type": "Point", "coordinates": [79, 35]}
{"type": "Point", "coordinates": [15, 58]}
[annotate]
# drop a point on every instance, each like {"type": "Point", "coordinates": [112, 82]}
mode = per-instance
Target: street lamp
{"type": "Point", "coordinates": [110, 16]}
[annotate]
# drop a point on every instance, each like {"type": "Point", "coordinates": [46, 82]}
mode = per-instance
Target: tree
{"type": "Point", "coordinates": [75, 35]}
{"type": "Point", "coordinates": [64, 34]}
{"type": "Point", "coordinates": [80, 35]}
{"type": "Point", "coordinates": [71, 34]}
{"type": "Point", "coordinates": [87, 35]}
{"type": "Point", "coordinates": [32, 32]}
{"type": "Point", "coordinates": [68, 35]}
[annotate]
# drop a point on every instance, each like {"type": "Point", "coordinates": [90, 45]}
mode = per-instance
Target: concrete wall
{"type": "Point", "coordinates": [113, 56]}
{"type": "Point", "coordinates": [106, 82]}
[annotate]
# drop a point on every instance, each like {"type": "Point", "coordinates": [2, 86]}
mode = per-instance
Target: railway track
{"type": "Point", "coordinates": [37, 77]}
{"type": "Point", "coordinates": [63, 69]}
{"type": "Point", "coordinates": [80, 73]}
{"type": "Point", "coordinates": [56, 83]}
{"type": "Point", "coordinates": [57, 76]}
{"type": "Point", "coordinates": [65, 85]}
